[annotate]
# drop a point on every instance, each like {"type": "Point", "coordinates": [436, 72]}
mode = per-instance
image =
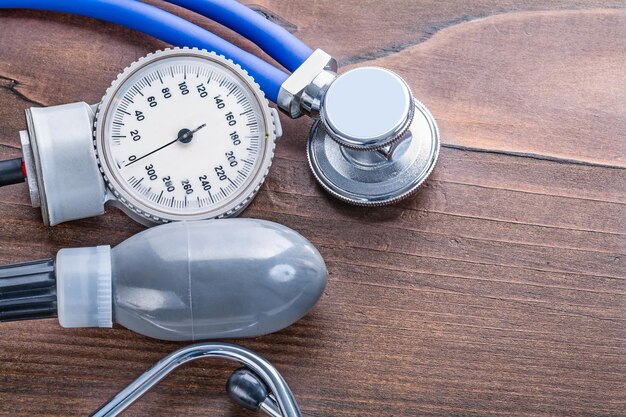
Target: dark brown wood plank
{"type": "Point", "coordinates": [499, 289]}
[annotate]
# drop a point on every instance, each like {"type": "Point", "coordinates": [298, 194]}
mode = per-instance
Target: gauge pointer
{"type": "Point", "coordinates": [185, 136]}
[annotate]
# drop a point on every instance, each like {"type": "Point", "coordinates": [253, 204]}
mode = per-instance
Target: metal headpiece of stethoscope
{"type": "Point", "coordinates": [257, 386]}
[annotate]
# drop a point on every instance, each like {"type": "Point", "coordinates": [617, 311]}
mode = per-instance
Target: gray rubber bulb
{"type": "Point", "coordinates": [227, 278]}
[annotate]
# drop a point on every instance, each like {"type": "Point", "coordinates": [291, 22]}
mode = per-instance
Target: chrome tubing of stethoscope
{"type": "Point", "coordinates": [281, 401]}
{"type": "Point", "coordinates": [270, 407]}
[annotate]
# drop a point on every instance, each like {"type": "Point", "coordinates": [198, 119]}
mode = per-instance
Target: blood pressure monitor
{"type": "Point", "coordinates": [185, 134]}
{"type": "Point", "coordinates": [182, 134]}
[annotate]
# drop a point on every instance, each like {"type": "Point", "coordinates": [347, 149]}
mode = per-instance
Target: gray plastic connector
{"type": "Point", "coordinates": [84, 289]}
{"type": "Point", "coordinates": [62, 171]}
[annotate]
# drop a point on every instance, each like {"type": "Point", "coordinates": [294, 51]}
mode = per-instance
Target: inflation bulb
{"type": "Point", "coordinates": [210, 279]}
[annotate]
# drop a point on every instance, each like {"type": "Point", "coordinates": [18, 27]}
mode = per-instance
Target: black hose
{"type": "Point", "coordinates": [28, 291]}
{"type": "Point", "coordinates": [11, 172]}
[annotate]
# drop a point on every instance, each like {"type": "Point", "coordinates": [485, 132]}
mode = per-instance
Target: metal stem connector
{"type": "Point", "coordinates": [303, 91]}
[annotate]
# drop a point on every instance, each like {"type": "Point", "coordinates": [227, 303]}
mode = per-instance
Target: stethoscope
{"type": "Point", "coordinates": [256, 386]}
{"type": "Point", "coordinates": [371, 142]}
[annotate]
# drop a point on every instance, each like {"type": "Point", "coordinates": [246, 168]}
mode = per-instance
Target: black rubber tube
{"type": "Point", "coordinates": [11, 172]}
{"type": "Point", "coordinates": [28, 291]}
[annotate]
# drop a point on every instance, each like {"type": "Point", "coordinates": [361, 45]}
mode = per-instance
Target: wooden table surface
{"type": "Point", "coordinates": [499, 289]}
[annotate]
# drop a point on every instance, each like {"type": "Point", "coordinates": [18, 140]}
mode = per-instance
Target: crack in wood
{"type": "Point", "coordinates": [435, 28]}
{"type": "Point", "coordinates": [532, 156]}
{"type": "Point", "coordinates": [10, 85]}
{"type": "Point", "coordinates": [423, 37]}
{"type": "Point", "coordinates": [6, 145]}
{"type": "Point", "coordinates": [274, 18]}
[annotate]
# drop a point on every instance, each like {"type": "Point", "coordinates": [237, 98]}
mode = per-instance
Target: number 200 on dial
{"type": "Point", "coordinates": [183, 135]}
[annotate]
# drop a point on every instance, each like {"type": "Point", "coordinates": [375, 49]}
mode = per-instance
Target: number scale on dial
{"type": "Point", "coordinates": [185, 134]}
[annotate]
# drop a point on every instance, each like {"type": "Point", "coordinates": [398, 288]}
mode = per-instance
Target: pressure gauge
{"type": "Point", "coordinates": [181, 134]}
{"type": "Point", "coordinates": [184, 134]}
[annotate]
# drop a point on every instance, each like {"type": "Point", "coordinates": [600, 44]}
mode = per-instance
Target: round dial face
{"type": "Point", "coordinates": [184, 135]}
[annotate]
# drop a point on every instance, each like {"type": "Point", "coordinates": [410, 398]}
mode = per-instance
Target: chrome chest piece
{"type": "Point", "coordinates": [372, 143]}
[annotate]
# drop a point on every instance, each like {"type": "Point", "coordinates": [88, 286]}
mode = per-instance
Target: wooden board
{"type": "Point", "coordinates": [499, 289]}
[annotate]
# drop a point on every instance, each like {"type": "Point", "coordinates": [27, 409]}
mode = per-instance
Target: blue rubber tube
{"type": "Point", "coordinates": [165, 26]}
{"type": "Point", "coordinates": [276, 41]}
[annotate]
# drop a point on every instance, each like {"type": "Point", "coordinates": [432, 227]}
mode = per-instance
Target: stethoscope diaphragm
{"type": "Point", "coordinates": [373, 144]}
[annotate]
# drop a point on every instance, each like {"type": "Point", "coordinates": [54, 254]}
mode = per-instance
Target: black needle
{"type": "Point", "coordinates": [148, 154]}
{"type": "Point", "coordinates": [185, 136]}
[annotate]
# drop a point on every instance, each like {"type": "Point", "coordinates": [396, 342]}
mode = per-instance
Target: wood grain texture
{"type": "Point", "coordinates": [499, 289]}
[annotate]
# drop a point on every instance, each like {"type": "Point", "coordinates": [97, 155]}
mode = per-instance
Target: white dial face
{"type": "Point", "coordinates": [184, 135]}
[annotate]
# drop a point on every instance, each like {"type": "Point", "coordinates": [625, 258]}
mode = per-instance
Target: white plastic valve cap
{"type": "Point", "coordinates": [84, 290]}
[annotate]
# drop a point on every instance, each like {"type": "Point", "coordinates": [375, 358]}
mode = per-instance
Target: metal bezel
{"type": "Point", "coordinates": [127, 197]}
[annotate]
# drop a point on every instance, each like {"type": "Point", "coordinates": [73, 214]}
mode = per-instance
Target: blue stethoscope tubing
{"type": "Point", "coordinates": [275, 40]}
{"type": "Point", "coordinates": [281, 45]}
